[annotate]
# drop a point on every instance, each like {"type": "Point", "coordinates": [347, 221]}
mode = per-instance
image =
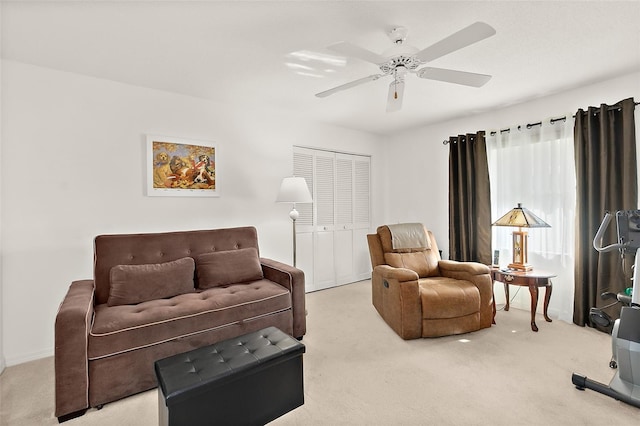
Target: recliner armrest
{"type": "Point", "coordinates": [72, 326]}
{"type": "Point", "coordinates": [292, 279]}
{"type": "Point", "coordinates": [400, 274]}
{"type": "Point", "coordinates": [479, 275]}
{"type": "Point", "coordinates": [396, 296]}
{"type": "Point", "coordinates": [451, 268]}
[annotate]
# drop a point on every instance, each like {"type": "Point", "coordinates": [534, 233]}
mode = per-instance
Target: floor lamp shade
{"type": "Point", "coordinates": [294, 190]}
{"type": "Point", "coordinates": [522, 218]}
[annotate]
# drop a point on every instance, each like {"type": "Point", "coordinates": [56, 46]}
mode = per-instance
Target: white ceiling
{"type": "Point", "coordinates": [237, 51]}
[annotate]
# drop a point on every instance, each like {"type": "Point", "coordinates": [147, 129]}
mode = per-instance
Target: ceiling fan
{"type": "Point", "coordinates": [402, 59]}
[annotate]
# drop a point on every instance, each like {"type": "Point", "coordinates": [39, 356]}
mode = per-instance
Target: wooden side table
{"type": "Point", "coordinates": [531, 279]}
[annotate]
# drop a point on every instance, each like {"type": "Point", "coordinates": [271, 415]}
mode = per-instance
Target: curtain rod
{"type": "Point", "coordinates": [539, 123]}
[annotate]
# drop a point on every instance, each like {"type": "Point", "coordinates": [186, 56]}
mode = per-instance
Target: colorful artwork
{"type": "Point", "coordinates": [180, 167]}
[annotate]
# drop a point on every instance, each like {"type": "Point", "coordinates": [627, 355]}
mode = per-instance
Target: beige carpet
{"type": "Point", "coordinates": [357, 371]}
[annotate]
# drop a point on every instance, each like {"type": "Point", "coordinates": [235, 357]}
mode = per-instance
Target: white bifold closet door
{"type": "Point", "coordinates": [331, 232]}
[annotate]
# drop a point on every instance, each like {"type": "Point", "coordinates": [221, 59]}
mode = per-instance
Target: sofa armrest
{"type": "Point", "coordinates": [480, 275]}
{"type": "Point", "coordinates": [293, 279]}
{"type": "Point", "coordinates": [72, 326]}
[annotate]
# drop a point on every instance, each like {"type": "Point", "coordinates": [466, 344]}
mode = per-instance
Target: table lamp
{"type": "Point", "coordinates": [294, 190]}
{"type": "Point", "coordinates": [522, 218]}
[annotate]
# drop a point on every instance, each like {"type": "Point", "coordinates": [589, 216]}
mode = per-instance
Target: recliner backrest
{"type": "Point", "coordinates": [424, 261]}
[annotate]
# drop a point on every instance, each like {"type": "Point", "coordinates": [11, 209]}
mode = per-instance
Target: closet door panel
{"type": "Point", "coordinates": [324, 265]}
{"type": "Point", "coordinates": [303, 167]}
{"type": "Point", "coordinates": [343, 248]}
{"type": "Point", "coordinates": [305, 258]}
{"type": "Point", "coordinates": [343, 237]}
{"type": "Point", "coordinates": [362, 192]}
{"type": "Point", "coordinates": [344, 191]}
{"type": "Point", "coordinates": [324, 201]}
{"type": "Point", "coordinates": [361, 259]}
{"type": "Point", "coordinates": [361, 217]}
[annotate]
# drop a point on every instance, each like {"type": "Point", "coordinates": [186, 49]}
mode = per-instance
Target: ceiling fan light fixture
{"type": "Point", "coordinates": [394, 99]}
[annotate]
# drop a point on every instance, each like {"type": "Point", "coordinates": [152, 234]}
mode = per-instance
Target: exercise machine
{"type": "Point", "coordinates": [625, 336]}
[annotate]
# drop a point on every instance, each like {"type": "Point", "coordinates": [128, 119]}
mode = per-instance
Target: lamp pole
{"type": "Point", "coordinates": [294, 214]}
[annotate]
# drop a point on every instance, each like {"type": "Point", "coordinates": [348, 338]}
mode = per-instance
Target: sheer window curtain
{"type": "Point", "coordinates": [534, 165]}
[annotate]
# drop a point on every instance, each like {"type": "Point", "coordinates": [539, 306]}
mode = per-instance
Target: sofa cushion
{"type": "Point", "coordinates": [421, 262]}
{"type": "Point", "coordinates": [125, 328]}
{"type": "Point", "coordinates": [131, 284]}
{"type": "Point", "coordinates": [220, 268]}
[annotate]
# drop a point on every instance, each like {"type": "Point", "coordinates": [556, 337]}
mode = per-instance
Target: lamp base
{"type": "Point", "coordinates": [520, 266]}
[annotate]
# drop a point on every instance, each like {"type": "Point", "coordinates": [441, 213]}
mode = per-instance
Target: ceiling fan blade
{"type": "Point", "coordinates": [453, 76]}
{"type": "Point", "coordinates": [347, 49]}
{"type": "Point", "coordinates": [396, 94]}
{"type": "Point", "coordinates": [348, 85]}
{"type": "Point", "coordinates": [466, 36]}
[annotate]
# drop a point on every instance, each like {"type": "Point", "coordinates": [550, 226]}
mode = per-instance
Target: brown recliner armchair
{"type": "Point", "coordinates": [420, 295]}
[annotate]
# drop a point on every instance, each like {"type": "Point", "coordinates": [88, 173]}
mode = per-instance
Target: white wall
{"type": "Point", "coordinates": [73, 163]}
{"type": "Point", "coordinates": [418, 162]}
{"type": "Point", "coordinates": [2, 359]}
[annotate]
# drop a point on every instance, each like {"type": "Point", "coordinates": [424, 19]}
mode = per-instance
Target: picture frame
{"type": "Point", "coordinates": [179, 167]}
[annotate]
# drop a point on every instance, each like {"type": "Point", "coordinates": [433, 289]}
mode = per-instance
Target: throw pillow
{"type": "Point", "coordinates": [131, 284]}
{"type": "Point", "coordinates": [220, 268]}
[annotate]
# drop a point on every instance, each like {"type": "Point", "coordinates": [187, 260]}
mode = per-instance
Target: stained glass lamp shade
{"type": "Point", "coordinates": [522, 218]}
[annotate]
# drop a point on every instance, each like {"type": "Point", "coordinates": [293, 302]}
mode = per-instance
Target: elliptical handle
{"type": "Point", "coordinates": [608, 295]}
{"type": "Point", "coordinates": [597, 240]}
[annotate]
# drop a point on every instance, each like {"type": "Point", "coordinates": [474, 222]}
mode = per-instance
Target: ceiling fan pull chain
{"type": "Point", "coordinates": [395, 83]}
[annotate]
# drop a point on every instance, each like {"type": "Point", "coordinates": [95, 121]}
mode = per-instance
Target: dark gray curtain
{"type": "Point", "coordinates": [605, 155]}
{"type": "Point", "coordinates": [469, 199]}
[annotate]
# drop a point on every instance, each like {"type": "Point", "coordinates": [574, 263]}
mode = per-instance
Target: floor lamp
{"type": "Point", "coordinates": [294, 190]}
{"type": "Point", "coordinates": [521, 217]}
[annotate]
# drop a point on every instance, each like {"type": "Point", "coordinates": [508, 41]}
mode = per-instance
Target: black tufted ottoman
{"type": "Point", "coordinates": [247, 380]}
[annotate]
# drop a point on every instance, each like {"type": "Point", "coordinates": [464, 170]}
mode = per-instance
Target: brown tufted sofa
{"type": "Point", "coordinates": [156, 295]}
{"type": "Point", "coordinates": [420, 295]}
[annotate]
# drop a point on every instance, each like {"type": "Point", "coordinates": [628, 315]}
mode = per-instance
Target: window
{"type": "Point", "coordinates": [535, 167]}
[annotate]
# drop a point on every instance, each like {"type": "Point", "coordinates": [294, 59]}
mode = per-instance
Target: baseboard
{"type": "Point", "coordinates": [2, 363]}
{"type": "Point", "coordinates": [21, 359]}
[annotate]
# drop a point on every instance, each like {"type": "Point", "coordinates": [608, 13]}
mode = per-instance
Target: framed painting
{"type": "Point", "coordinates": [181, 167]}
